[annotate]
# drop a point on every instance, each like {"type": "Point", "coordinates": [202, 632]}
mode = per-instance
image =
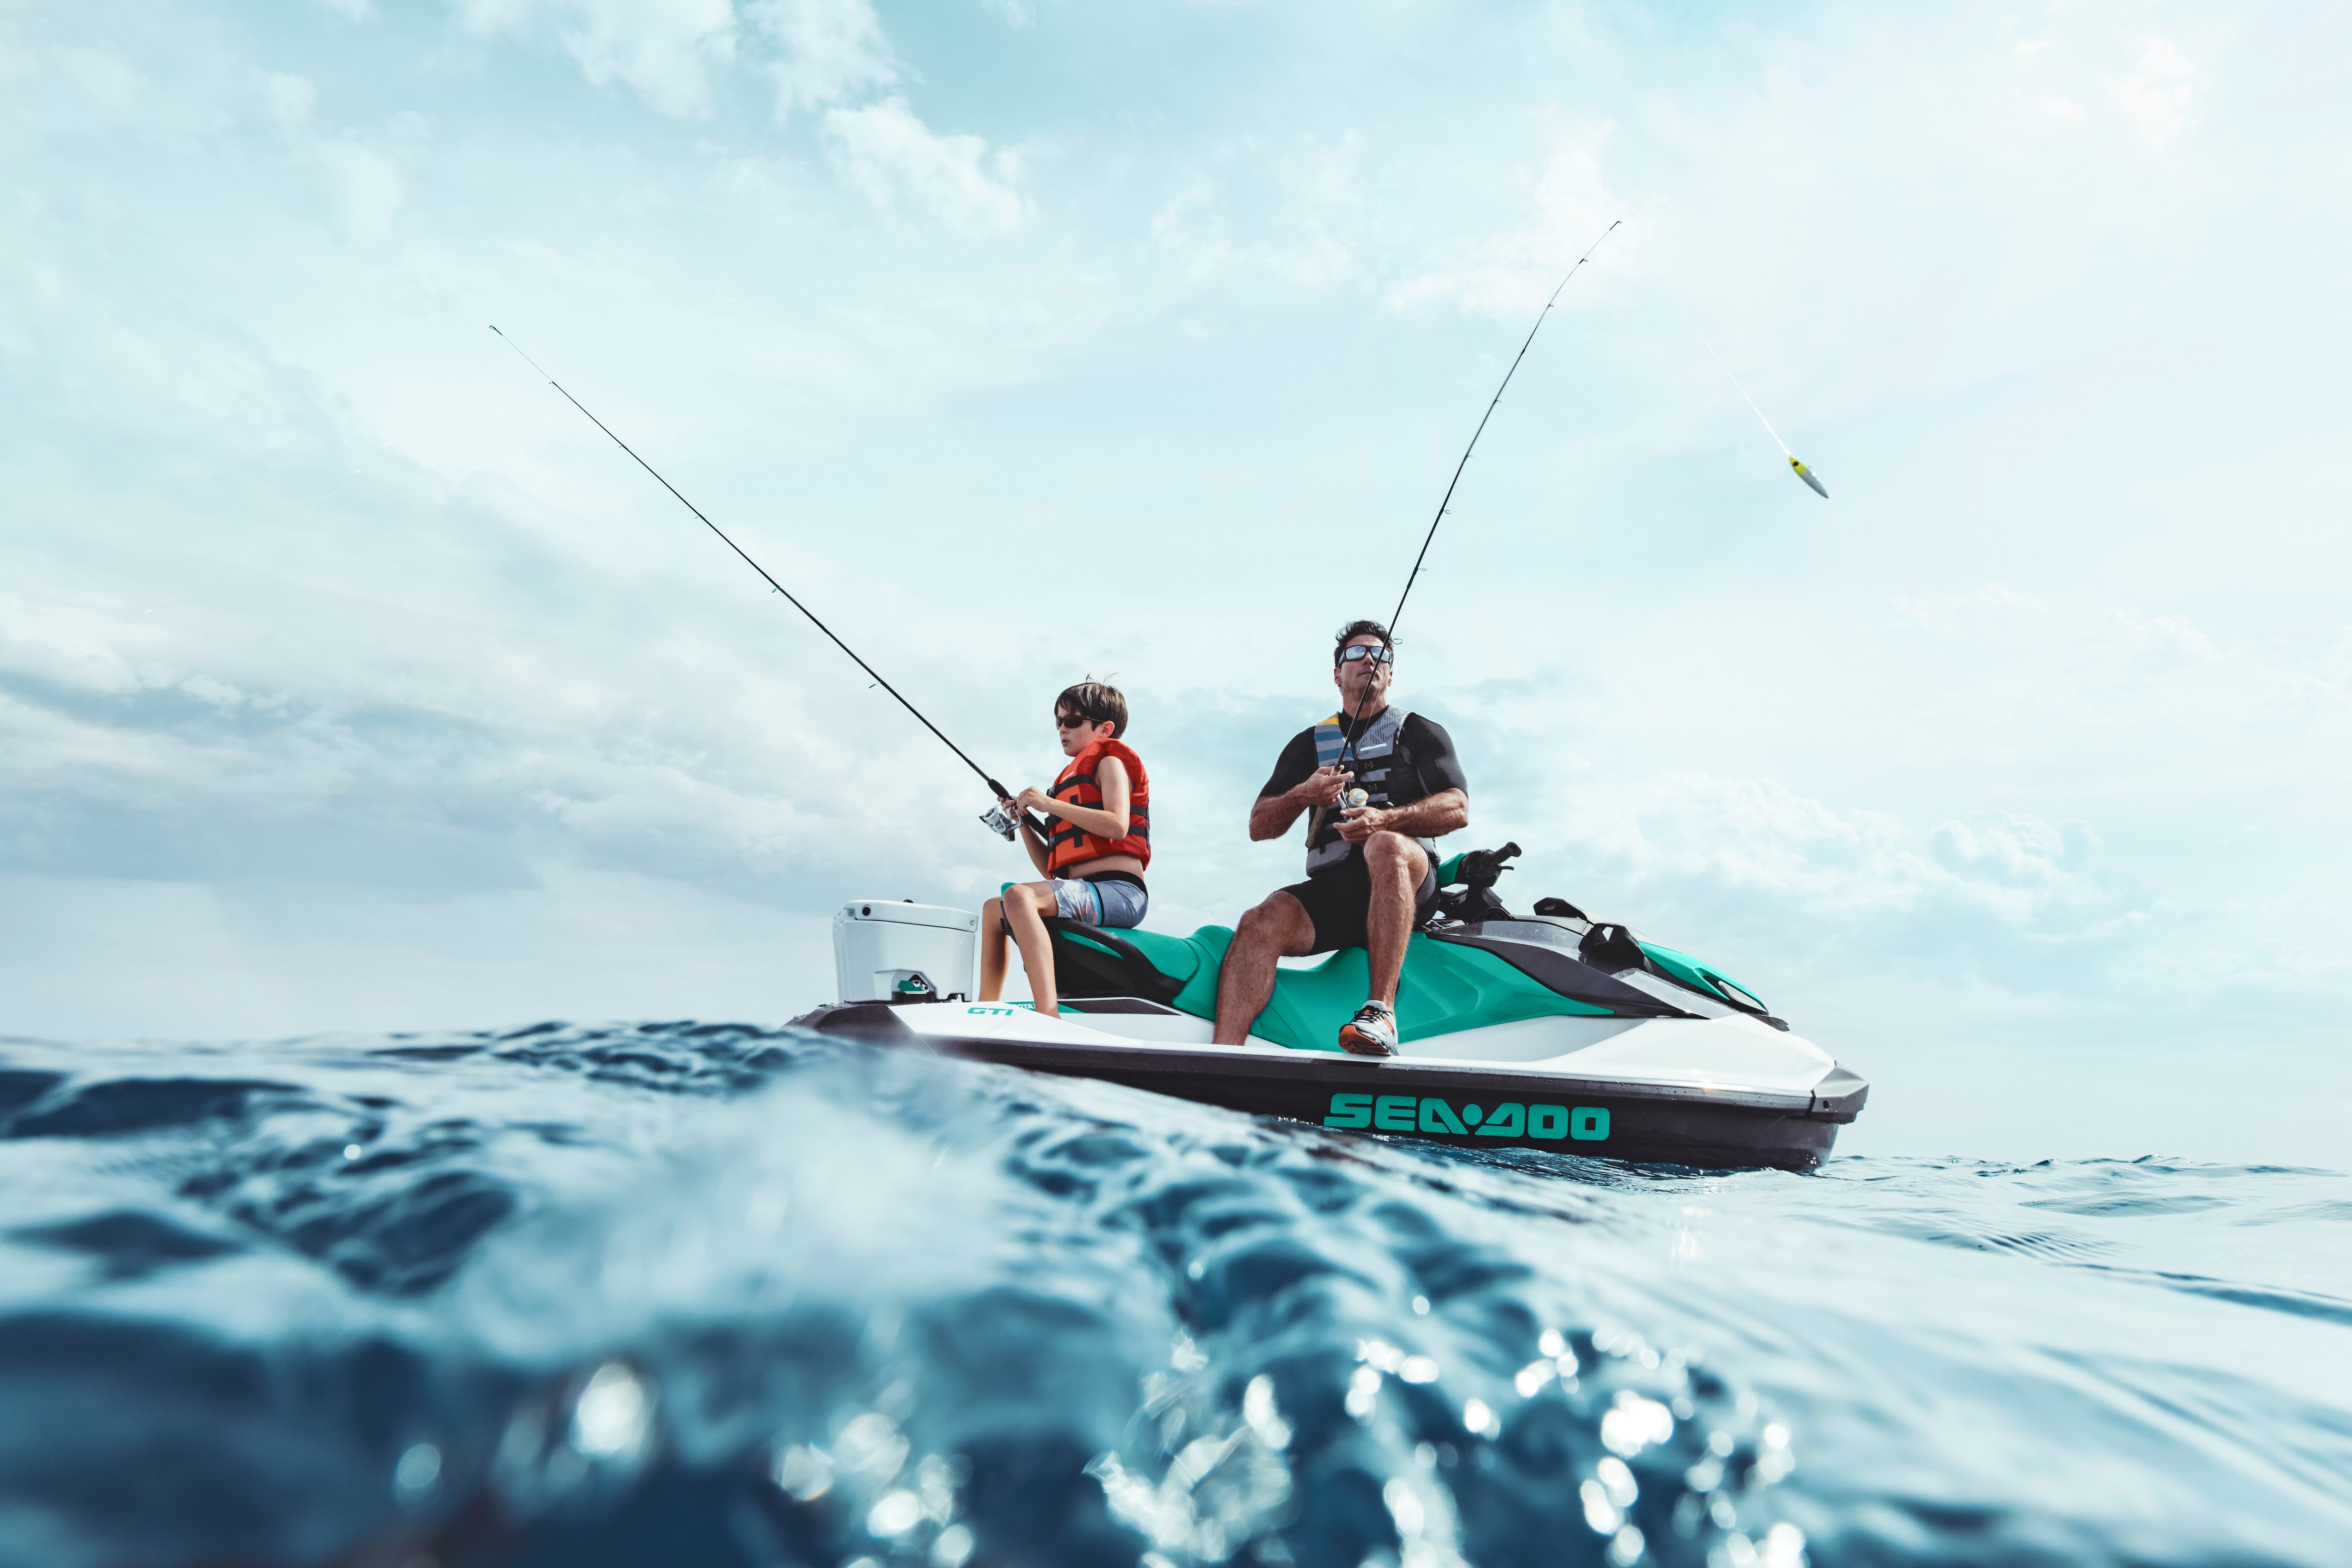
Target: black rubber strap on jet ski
{"type": "Point", "coordinates": [1143, 976]}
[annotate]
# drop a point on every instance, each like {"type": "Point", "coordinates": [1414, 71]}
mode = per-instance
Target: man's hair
{"type": "Point", "coordinates": [1355, 630]}
{"type": "Point", "coordinates": [1094, 701]}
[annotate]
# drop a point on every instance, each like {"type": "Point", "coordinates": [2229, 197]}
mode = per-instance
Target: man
{"type": "Point", "coordinates": [1372, 868]}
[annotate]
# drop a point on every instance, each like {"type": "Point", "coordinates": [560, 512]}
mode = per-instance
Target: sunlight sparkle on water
{"type": "Point", "coordinates": [613, 1412]}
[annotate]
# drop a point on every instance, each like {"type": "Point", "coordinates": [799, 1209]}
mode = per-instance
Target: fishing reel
{"type": "Point", "coordinates": [1002, 823]}
{"type": "Point", "coordinates": [1328, 816]}
{"type": "Point", "coordinates": [996, 819]}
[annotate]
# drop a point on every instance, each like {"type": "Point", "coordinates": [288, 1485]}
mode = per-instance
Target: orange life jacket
{"type": "Point", "coordinates": [1071, 844]}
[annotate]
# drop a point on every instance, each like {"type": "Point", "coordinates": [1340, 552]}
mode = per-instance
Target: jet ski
{"type": "Point", "coordinates": [1545, 1031]}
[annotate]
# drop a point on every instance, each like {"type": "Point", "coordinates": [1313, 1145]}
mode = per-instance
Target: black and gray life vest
{"type": "Point", "coordinates": [1384, 771]}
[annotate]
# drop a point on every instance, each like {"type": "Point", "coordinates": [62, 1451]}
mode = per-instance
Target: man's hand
{"type": "Point", "coordinates": [1035, 799]}
{"type": "Point", "coordinates": [1272, 816]}
{"type": "Point", "coordinates": [1439, 814]}
{"type": "Point", "coordinates": [1321, 787]}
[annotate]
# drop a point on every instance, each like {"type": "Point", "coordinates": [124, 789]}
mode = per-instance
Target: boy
{"type": "Point", "coordinates": [1099, 812]}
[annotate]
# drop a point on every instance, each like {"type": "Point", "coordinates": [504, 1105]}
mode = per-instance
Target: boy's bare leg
{"type": "Point", "coordinates": [1024, 909]}
{"type": "Point", "coordinates": [1278, 928]}
{"type": "Point", "coordinates": [992, 950]}
{"type": "Point", "coordinates": [1397, 864]}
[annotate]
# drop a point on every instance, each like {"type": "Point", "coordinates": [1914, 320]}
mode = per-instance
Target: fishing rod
{"type": "Point", "coordinates": [995, 817]}
{"type": "Point", "coordinates": [1355, 719]}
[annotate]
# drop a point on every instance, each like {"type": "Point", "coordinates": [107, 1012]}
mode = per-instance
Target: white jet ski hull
{"type": "Point", "coordinates": [1709, 1093]}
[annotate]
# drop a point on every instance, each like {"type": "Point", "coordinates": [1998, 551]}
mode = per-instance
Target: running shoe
{"type": "Point", "coordinates": [1372, 1032]}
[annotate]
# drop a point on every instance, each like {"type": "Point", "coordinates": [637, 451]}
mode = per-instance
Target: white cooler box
{"type": "Point", "coordinates": [903, 952]}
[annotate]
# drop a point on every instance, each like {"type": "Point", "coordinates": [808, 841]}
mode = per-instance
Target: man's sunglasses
{"type": "Point", "coordinates": [1358, 651]}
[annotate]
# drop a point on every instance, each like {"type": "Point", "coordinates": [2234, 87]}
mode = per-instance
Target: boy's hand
{"type": "Point", "coordinates": [1322, 786]}
{"type": "Point", "coordinates": [1035, 799]}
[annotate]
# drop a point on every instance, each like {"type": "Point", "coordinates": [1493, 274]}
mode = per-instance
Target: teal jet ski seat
{"type": "Point", "coordinates": [1457, 975]}
{"type": "Point", "coordinates": [1445, 989]}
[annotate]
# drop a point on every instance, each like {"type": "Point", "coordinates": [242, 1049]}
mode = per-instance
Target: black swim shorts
{"type": "Point", "coordinates": [1337, 903]}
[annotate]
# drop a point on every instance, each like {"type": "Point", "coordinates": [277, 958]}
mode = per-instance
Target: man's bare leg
{"type": "Point", "coordinates": [1278, 928]}
{"type": "Point", "coordinates": [1397, 864]}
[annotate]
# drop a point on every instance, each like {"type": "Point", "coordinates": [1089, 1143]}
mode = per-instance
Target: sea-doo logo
{"type": "Point", "coordinates": [1426, 1113]}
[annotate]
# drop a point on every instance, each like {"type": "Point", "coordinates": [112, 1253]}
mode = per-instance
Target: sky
{"type": "Point", "coordinates": [350, 680]}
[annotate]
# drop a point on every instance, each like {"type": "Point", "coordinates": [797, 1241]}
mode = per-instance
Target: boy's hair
{"type": "Point", "coordinates": [1355, 630]}
{"type": "Point", "coordinates": [1094, 701]}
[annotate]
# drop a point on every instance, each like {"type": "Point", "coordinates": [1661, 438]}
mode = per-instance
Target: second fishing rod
{"type": "Point", "coordinates": [1353, 733]}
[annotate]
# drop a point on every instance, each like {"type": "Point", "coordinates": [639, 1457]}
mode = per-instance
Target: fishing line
{"type": "Point", "coordinates": [1001, 793]}
{"type": "Point", "coordinates": [1348, 740]}
{"type": "Point", "coordinates": [1803, 472]}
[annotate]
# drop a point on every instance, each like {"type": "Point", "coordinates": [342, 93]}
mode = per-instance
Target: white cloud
{"type": "Point", "coordinates": [1512, 273]}
{"type": "Point", "coordinates": [1016, 13]}
{"type": "Point", "coordinates": [1191, 225]}
{"type": "Point", "coordinates": [362, 187]}
{"type": "Point", "coordinates": [834, 50]}
{"type": "Point", "coordinates": [220, 694]}
{"type": "Point", "coordinates": [2021, 901]}
{"type": "Point", "coordinates": [2124, 675]}
{"type": "Point", "coordinates": [662, 48]}
{"type": "Point", "coordinates": [291, 100]}
{"type": "Point", "coordinates": [349, 10]}
{"type": "Point", "coordinates": [884, 149]}
{"type": "Point", "coordinates": [830, 56]}
{"type": "Point", "coordinates": [1297, 212]}
{"type": "Point", "coordinates": [106, 79]}
{"type": "Point", "coordinates": [2159, 94]}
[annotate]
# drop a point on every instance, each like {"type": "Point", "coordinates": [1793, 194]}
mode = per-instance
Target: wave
{"type": "Point", "coordinates": [714, 1294]}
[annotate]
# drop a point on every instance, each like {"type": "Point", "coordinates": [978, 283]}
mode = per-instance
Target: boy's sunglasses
{"type": "Point", "coordinates": [1070, 720]}
{"type": "Point", "coordinates": [1358, 651]}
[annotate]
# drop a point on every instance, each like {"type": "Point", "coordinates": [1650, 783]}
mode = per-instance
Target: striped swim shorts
{"type": "Point", "coordinates": [1111, 899]}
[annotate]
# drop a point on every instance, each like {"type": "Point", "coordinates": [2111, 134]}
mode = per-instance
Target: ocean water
{"type": "Point", "coordinates": [684, 1294]}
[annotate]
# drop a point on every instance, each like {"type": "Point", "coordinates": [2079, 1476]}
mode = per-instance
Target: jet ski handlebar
{"type": "Point", "coordinates": [1480, 868]}
{"type": "Point", "coordinates": [1469, 893]}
